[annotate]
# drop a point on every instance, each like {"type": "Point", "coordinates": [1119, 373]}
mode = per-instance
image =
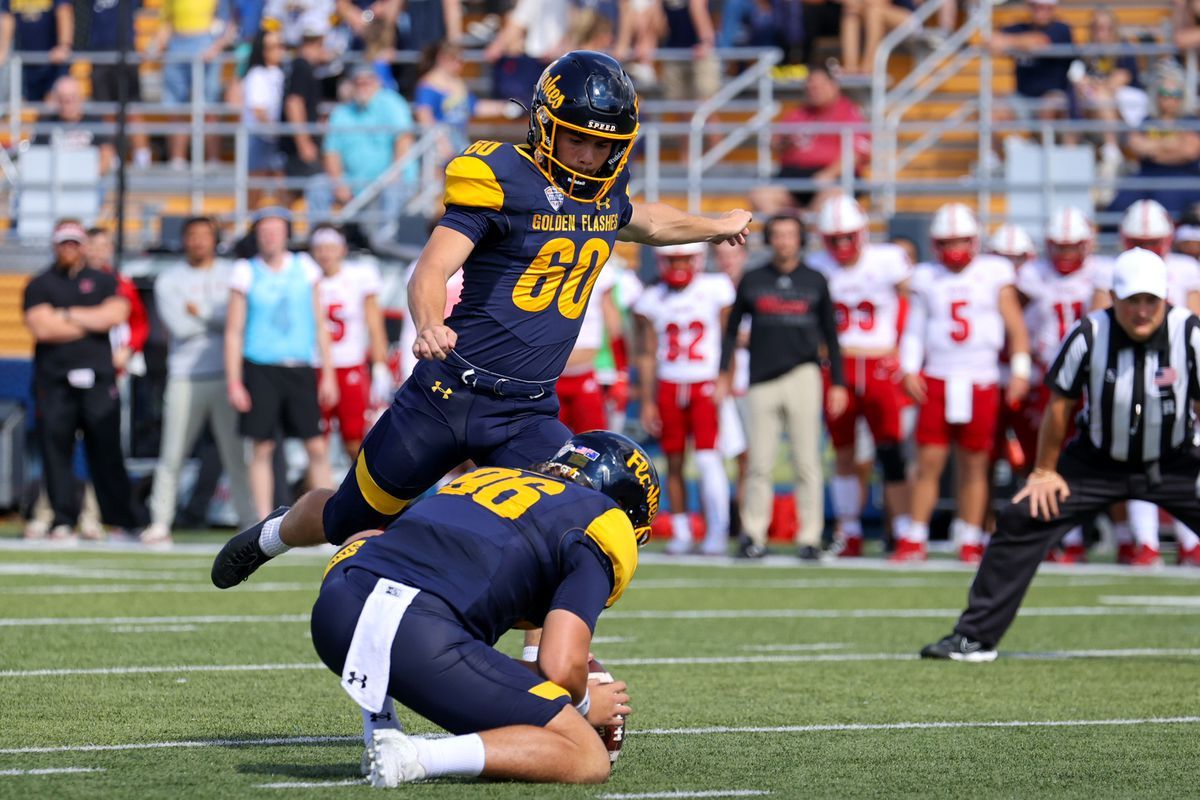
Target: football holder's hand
{"type": "Point", "coordinates": [610, 703]}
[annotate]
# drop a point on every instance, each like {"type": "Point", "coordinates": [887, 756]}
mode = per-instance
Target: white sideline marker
{"type": "Point", "coordinates": [12, 773]}
{"type": "Point", "coordinates": [831, 728]}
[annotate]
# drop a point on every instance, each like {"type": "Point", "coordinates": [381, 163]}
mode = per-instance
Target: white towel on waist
{"type": "Point", "coordinates": [369, 660]}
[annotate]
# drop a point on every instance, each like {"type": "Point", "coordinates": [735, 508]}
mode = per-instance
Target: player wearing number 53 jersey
{"type": "Point", "coordinates": [680, 323]}
{"type": "Point", "coordinates": [531, 227]}
{"type": "Point", "coordinates": [866, 282]}
{"type": "Point", "coordinates": [963, 307]}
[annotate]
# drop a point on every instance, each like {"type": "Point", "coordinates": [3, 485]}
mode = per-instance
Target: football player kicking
{"type": "Point", "coordinates": [414, 613]}
{"type": "Point", "coordinates": [680, 322]}
{"type": "Point", "coordinates": [531, 226]}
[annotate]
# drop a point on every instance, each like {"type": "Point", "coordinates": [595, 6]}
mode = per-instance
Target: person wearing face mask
{"type": "Point", "coordinates": [962, 308]}
{"type": "Point", "coordinates": [1138, 366]}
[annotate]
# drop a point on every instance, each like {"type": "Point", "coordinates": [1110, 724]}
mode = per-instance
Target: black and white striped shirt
{"type": "Point", "coordinates": [1139, 395]}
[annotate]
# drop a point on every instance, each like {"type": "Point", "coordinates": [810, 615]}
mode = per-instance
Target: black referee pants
{"type": "Point", "coordinates": [63, 410]}
{"type": "Point", "coordinates": [1021, 542]}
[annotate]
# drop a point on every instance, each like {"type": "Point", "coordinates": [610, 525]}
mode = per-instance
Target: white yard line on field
{"type": "Point", "coordinates": [699, 614]}
{"type": "Point", "coordinates": [65, 571]}
{"type": "Point", "coordinates": [1169, 601]}
{"type": "Point", "coordinates": [1143, 652]}
{"type": "Point", "coordinates": [672, 795]}
{"type": "Point", "coordinates": [154, 628]}
{"type": "Point", "coordinates": [191, 587]}
{"type": "Point", "coordinates": [311, 784]}
{"type": "Point", "coordinates": [780, 648]}
{"type": "Point", "coordinates": [825, 728]}
{"type": "Point", "coordinates": [12, 773]}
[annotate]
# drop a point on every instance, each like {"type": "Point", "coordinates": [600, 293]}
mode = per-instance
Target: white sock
{"type": "Point", "coordinates": [714, 495]}
{"type": "Point", "coordinates": [681, 527]}
{"type": "Point", "coordinates": [918, 532]}
{"type": "Point", "coordinates": [1122, 533]}
{"type": "Point", "coordinates": [386, 718]}
{"type": "Point", "coordinates": [268, 537]}
{"type": "Point", "coordinates": [847, 501]}
{"type": "Point", "coordinates": [1185, 536]}
{"type": "Point", "coordinates": [1143, 520]}
{"type": "Point", "coordinates": [964, 533]}
{"type": "Point", "coordinates": [458, 756]}
{"type": "Point", "coordinates": [901, 525]}
{"type": "Point", "coordinates": [1073, 537]}
{"type": "Point", "coordinates": [530, 653]}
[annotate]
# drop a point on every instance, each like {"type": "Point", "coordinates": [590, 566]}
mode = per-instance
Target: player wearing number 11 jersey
{"type": "Point", "coordinates": [531, 227]}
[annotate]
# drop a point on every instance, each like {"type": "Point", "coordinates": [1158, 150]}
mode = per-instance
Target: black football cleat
{"type": "Point", "coordinates": [748, 549]}
{"type": "Point", "coordinates": [241, 555]}
{"type": "Point", "coordinates": [809, 553]}
{"type": "Point", "coordinates": [957, 647]}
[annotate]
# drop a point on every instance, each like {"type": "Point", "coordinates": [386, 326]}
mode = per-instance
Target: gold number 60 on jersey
{"type": "Point", "coordinates": [539, 285]}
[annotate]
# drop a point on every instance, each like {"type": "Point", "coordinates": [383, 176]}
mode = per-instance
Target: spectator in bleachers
{"type": "Point", "coordinates": [424, 21]}
{"type": "Point", "coordinates": [40, 27]}
{"type": "Point", "coordinates": [1043, 89]}
{"type": "Point", "coordinates": [104, 37]}
{"type": "Point", "coordinates": [187, 30]}
{"type": "Point", "coordinates": [301, 100]}
{"type": "Point", "coordinates": [366, 136]}
{"type": "Point", "coordinates": [262, 102]}
{"type": "Point", "coordinates": [864, 24]}
{"type": "Point", "coordinates": [752, 23]}
{"type": "Point", "coordinates": [379, 49]}
{"type": "Point", "coordinates": [70, 309]}
{"type": "Point", "coordinates": [443, 97]}
{"type": "Point", "coordinates": [272, 338]}
{"type": "Point", "coordinates": [248, 17]}
{"type": "Point", "coordinates": [1109, 91]}
{"type": "Point", "coordinates": [1186, 24]}
{"type": "Point", "coordinates": [1164, 149]}
{"type": "Point", "coordinates": [792, 316]}
{"type": "Point", "coordinates": [129, 338]}
{"type": "Point", "coordinates": [817, 155]}
{"type": "Point", "coordinates": [535, 32]}
{"type": "Point", "coordinates": [191, 299]}
{"type": "Point", "coordinates": [689, 26]}
{"type": "Point", "coordinates": [292, 18]}
{"type": "Point", "coordinates": [68, 126]}
{"type": "Point", "coordinates": [358, 16]}
{"type": "Point", "coordinates": [638, 26]}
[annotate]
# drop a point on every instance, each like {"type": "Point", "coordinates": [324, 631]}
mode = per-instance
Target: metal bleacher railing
{"type": "Point", "coordinates": [698, 149]}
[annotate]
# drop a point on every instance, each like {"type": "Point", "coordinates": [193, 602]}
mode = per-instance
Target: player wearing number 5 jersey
{"type": "Point", "coordinates": [866, 284]}
{"type": "Point", "coordinates": [531, 227]}
{"type": "Point", "coordinates": [962, 309]}
{"type": "Point", "coordinates": [680, 323]}
{"type": "Point", "coordinates": [350, 304]}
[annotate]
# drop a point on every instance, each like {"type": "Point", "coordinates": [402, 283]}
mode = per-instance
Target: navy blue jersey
{"type": "Point", "coordinates": [503, 547]}
{"type": "Point", "coordinates": [537, 256]}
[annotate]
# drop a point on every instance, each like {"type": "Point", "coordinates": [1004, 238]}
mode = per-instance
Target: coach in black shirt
{"type": "Point", "coordinates": [1138, 365]}
{"type": "Point", "coordinates": [70, 309]}
{"type": "Point", "coordinates": [792, 320]}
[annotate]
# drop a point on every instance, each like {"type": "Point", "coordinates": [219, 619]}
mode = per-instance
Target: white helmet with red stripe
{"type": "Point", "coordinates": [955, 222]}
{"type": "Point", "coordinates": [843, 228]}
{"type": "Point", "coordinates": [679, 263]}
{"type": "Point", "coordinates": [1012, 241]}
{"type": "Point", "coordinates": [1147, 225]}
{"type": "Point", "coordinates": [1069, 237]}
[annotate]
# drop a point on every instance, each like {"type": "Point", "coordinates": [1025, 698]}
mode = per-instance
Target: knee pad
{"type": "Point", "coordinates": [891, 459]}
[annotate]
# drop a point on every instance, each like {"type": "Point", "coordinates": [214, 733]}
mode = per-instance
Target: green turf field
{"type": "Point", "coordinates": [124, 674]}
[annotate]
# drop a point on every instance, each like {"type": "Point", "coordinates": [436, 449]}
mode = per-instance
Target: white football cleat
{"type": "Point", "coordinates": [393, 759]}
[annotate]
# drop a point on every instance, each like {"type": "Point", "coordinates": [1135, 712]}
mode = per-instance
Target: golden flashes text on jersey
{"type": "Point", "coordinates": [569, 223]}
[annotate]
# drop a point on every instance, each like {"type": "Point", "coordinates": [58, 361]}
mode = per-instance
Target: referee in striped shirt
{"type": "Point", "coordinates": [1137, 365]}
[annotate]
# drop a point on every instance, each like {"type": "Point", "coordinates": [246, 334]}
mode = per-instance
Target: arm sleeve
{"type": "Point", "coordinates": [828, 322]}
{"type": "Point", "coordinates": [170, 303]}
{"type": "Point", "coordinates": [736, 312]}
{"type": "Point", "coordinates": [587, 585]}
{"type": "Point", "coordinates": [1070, 368]}
{"type": "Point", "coordinates": [476, 224]}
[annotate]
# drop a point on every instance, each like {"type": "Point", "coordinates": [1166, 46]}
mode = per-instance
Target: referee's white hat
{"type": "Point", "coordinates": [1139, 271]}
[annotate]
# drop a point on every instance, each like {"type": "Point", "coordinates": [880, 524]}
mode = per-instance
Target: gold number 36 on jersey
{"type": "Point", "coordinates": [557, 272]}
{"type": "Point", "coordinates": [505, 492]}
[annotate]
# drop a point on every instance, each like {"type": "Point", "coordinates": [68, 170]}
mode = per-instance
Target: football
{"type": "Point", "coordinates": [613, 736]}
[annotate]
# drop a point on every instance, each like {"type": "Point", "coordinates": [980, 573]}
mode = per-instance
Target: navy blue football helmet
{"type": "Point", "coordinates": [589, 93]}
{"type": "Point", "coordinates": [613, 465]}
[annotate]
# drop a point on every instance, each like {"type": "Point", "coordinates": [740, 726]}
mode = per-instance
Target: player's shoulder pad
{"type": "Point", "coordinates": [483, 176]}
{"type": "Point", "coordinates": [613, 534]}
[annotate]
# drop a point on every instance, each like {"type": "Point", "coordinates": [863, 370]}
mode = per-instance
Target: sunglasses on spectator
{"type": "Point", "coordinates": [1170, 93]}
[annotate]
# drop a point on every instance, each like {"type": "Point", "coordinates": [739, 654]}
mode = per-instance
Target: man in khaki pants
{"type": "Point", "coordinates": [792, 317]}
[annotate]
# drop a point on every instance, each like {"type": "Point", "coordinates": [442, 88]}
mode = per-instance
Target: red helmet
{"type": "Point", "coordinates": [1068, 239]}
{"type": "Point", "coordinates": [1147, 225]}
{"type": "Point", "coordinates": [843, 227]}
{"type": "Point", "coordinates": [679, 263]}
{"type": "Point", "coordinates": [955, 221]}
